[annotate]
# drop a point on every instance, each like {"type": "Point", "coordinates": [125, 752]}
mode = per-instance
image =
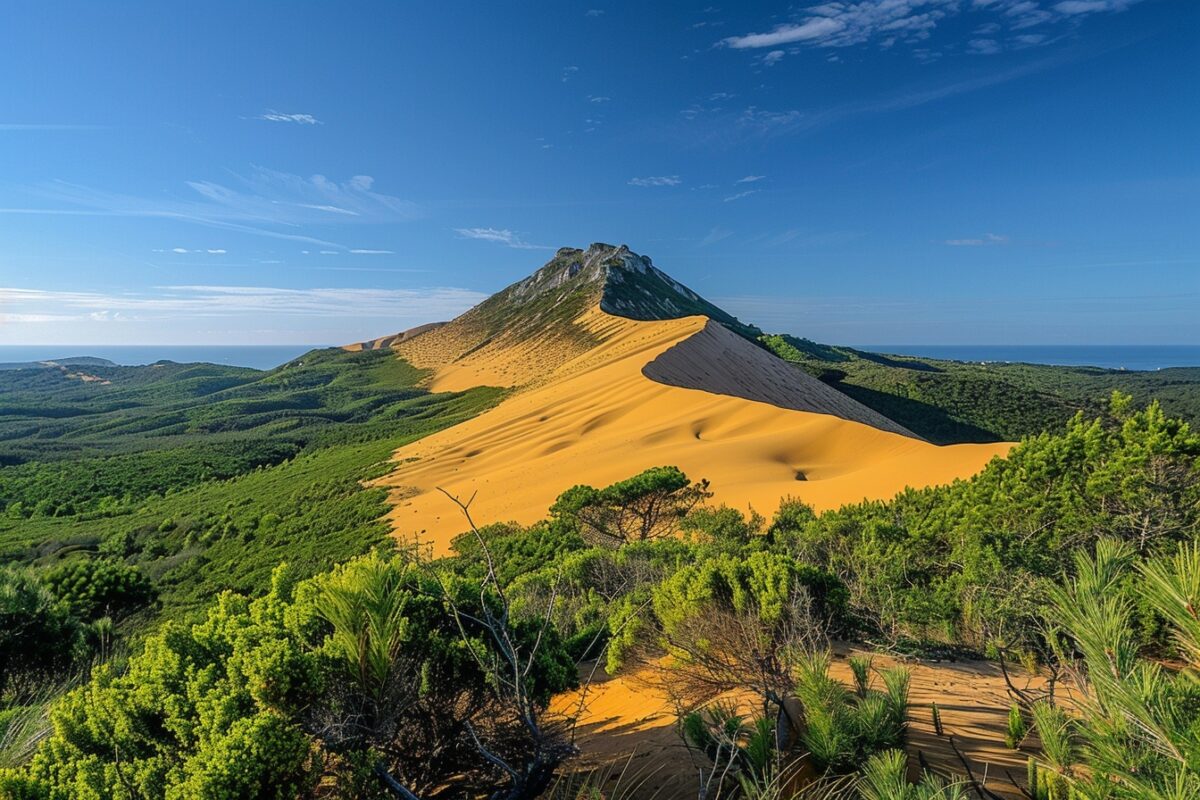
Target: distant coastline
{"type": "Point", "coordinates": [253, 356]}
{"type": "Point", "coordinates": [1131, 357]}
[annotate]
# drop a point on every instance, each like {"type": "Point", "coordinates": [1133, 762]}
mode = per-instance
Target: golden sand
{"type": "Point", "coordinates": [682, 392]}
{"type": "Point", "coordinates": [625, 720]}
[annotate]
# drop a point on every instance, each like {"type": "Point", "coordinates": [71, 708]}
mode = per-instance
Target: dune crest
{"type": "Point", "coordinates": [683, 392]}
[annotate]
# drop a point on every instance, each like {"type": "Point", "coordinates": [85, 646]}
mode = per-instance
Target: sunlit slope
{"type": "Point", "coordinates": [683, 392]}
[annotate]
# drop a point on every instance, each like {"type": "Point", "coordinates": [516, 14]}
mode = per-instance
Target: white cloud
{"type": "Point", "coordinates": [750, 179]}
{"type": "Point", "coordinates": [740, 195]}
{"type": "Point", "coordinates": [568, 73]}
{"type": "Point", "coordinates": [772, 58]}
{"type": "Point", "coordinates": [195, 301]}
{"type": "Point", "coordinates": [299, 119]}
{"type": "Point", "coordinates": [262, 202]}
{"type": "Point", "coordinates": [983, 47]}
{"type": "Point", "coordinates": [594, 12]}
{"type": "Point", "coordinates": [814, 28]}
{"type": "Point", "coordinates": [988, 239]}
{"type": "Point", "coordinates": [598, 98]}
{"type": "Point", "coordinates": [656, 180]}
{"type": "Point", "coordinates": [842, 23]}
{"type": "Point", "coordinates": [362, 252]}
{"type": "Point", "coordinates": [1091, 6]}
{"type": "Point", "coordinates": [500, 236]}
{"type": "Point", "coordinates": [212, 251]}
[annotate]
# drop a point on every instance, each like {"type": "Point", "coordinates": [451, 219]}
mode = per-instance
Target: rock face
{"type": "Point", "coordinates": [545, 304]}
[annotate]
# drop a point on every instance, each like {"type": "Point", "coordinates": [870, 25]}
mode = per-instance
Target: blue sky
{"type": "Point", "coordinates": [901, 171]}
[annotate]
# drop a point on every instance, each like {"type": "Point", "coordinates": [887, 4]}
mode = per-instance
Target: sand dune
{"type": "Point", "coordinates": [680, 392]}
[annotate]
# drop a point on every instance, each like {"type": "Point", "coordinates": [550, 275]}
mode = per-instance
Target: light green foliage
{"type": "Point", "coordinates": [204, 711]}
{"type": "Point", "coordinates": [253, 701]}
{"type": "Point", "coordinates": [842, 727]}
{"type": "Point", "coordinates": [97, 587]}
{"type": "Point", "coordinates": [885, 777]}
{"type": "Point", "coordinates": [762, 584]}
{"type": "Point", "coordinates": [1016, 728]}
{"type": "Point", "coordinates": [1138, 730]}
{"type": "Point", "coordinates": [860, 667]}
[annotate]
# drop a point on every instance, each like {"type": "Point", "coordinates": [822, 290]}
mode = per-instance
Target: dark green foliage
{"type": "Point", "coordinates": [106, 485]}
{"type": "Point", "coordinates": [648, 506]}
{"type": "Point", "coordinates": [964, 563]}
{"type": "Point", "coordinates": [98, 587]}
{"type": "Point", "coordinates": [514, 550]}
{"type": "Point", "coordinates": [39, 637]}
{"type": "Point", "coordinates": [955, 401]}
{"type": "Point", "coordinates": [365, 662]}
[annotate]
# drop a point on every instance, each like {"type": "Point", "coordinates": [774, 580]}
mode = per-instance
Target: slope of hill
{"type": "Point", "coordinates": [603, 396]}
{"type": "Point", "coordinates": [525, 331]}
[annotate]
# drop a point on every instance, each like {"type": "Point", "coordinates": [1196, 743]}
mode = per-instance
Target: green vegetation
{"type": "Point", "coordinates": [151, 645]}
{"type": "Point", "coordinates": [954, 401]}
{"type": "Point", "coordinates": [376, 669]}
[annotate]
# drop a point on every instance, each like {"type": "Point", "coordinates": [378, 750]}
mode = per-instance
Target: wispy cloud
{"type": "Point", "coordinates": [569, 72]}
{"type": "Point", "coordinates": [598, 98]}
{"type": "Point", "coordinates": [656, 180]}
{"type": "Point", "coordinates": [715, 235]}
{"type": "Point", "coordinates": [362, 252]}
{"type": "Point", "coordinates": [740, 195]}
{"type": "Point", "coordinates": [263, 202]}
{"type": "Point", "coordinates": [44, 126]}
{"type": "Point", "coordinates": [713, 126]}
{"type": "Point", "coordinates": [772, 58]}
{"type": "Point", "coordinates": [175, 302]}
{"type": "Point", "coordinates": [298, 119]}
{"type": "Point", "coordinates": [750, 179]}
{"type": "Point", "coordinates": [984, 47]}
{"type": "Point", "coordinates": [594, 12]}
{"type": "Point", "coordinates": [214, 251]}
{"type": "Point", "coordinates": [888, 22]}
{"type": "Point", "coordinates": [500, 236]}
{"type": "Point", "coordinates": [988, 239]}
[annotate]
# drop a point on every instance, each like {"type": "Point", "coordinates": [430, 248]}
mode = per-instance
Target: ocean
{"type": "Point", "coordinates": [1131, 357]}
{"type": "Point", "coordinates": [255, 356]}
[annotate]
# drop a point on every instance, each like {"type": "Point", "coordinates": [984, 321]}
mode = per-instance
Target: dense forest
{"type": "Point", "coordinates": [956, 401]}
{"type": "Point", "coordinates": [199, 598]}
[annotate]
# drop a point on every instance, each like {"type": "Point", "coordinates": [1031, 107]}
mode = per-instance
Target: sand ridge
{"type": "Point", "coordinates": [596, 417]}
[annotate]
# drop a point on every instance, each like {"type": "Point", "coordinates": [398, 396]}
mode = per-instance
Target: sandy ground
{"type": "Point", "coordinates": [626, 721]}
{"type": "Point", "coordinates": [758, 431]}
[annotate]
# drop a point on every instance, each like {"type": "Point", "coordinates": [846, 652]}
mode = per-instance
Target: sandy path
{"type": "Point", "coordinates": [624, 719]}
{"type": "Point", "coordinates": [598, 418]}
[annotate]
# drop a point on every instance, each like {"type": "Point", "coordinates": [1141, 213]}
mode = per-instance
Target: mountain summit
{"type": "Point", "coordinates": [615, 278]}
{"type": "Point", "coordinates": [625, 283]}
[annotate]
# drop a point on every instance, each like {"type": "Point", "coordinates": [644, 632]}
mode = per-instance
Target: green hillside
{"type": "Point", "coordinates": [954, 401]}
